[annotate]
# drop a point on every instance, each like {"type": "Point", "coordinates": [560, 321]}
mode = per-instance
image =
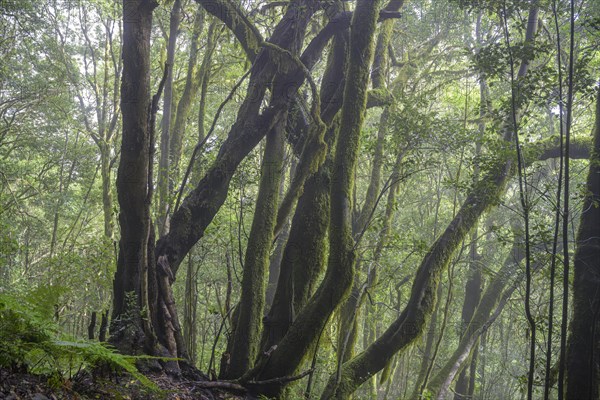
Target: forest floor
{"type": "Point", "coordinates": [23, 386]}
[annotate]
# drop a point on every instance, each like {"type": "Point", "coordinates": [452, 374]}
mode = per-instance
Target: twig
{"type": "Point", "coordinates": [282, 379]}
{"type": "Point", "coordinates": [203, 142]}
{"type": "Point", "coordinates": [221, 385]}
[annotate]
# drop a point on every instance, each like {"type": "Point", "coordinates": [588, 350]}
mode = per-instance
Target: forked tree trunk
{"type": "Point", "coordinates": [304, 255]}
{"type": "Point", "coordinates": [286, 358]}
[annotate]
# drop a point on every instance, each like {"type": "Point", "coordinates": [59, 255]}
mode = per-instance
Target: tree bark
{"type": "Point", "coordinates": [277, 256]}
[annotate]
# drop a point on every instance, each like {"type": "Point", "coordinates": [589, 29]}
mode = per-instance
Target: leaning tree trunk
{"type": "Point", "coordinates": [583, 357]}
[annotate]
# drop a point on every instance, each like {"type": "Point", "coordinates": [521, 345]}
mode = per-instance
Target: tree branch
{"type": "Point", "coordinates": [232, 16]}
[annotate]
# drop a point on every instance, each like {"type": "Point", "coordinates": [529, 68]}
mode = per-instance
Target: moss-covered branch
{"type": "Point", "coordinates": [199, 208]}
{"type": "Point", "coordinates": [411, 322]}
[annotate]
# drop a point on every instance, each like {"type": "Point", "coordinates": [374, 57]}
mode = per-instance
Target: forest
{"type": "Point", "coordinates": [300, 199]}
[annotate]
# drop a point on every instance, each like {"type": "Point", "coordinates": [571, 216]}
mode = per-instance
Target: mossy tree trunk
{"type": "Point", "coordinates": [426, 359]}
{"type": "Point", "coordinates": [304, 255]}
{"type": "Point", "coordinates": [347, 332]}
{"type": "Point", "coordinates": [132, 179]}
{"type": "Point", "coordinates": [286, 358]}
{"type": "Point", "coordinates": [144, 316]}
{"type": "Point", "coordinates": [277, 255]}
{"type": "Point", "coordinates": [583, 353]}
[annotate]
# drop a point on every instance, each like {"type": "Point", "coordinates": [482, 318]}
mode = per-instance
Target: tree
{"type": "Point", "coordinates": [582, 374]}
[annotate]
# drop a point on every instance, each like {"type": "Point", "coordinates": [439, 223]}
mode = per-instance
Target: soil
{"type": "Point", "coordinates": [84, 386]}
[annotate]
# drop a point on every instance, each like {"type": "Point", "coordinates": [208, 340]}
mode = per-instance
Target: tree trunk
{"type": "Point", "coordinates": [132, 183]}
{"type": "Point", "coordinates": [426, 360]}
{"type": "Point", "coordinates": [200, 206]}
{"type": "Point", "coordinates": [190, 307]}
{"type": "Point", "coordinates": [107, 200]}
{"type": "Point", "coordinates": [350, 310]}
{"type": "Point", "coordinates": [305, 251]}
{"type": "Point", "coordinates": [277, 256]}
{"type": "Point", "coordinates": [583, 357]}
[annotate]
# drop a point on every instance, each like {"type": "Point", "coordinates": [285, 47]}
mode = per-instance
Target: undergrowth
{"type": "Point", "coordinates": [32, 342]}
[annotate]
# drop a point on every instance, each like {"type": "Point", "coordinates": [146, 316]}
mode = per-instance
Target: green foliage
{"type": "Point", "coordinates": [31, 341]}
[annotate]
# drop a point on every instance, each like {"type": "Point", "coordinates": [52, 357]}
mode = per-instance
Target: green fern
{"type": "Point", "coordinates": [30, 340]}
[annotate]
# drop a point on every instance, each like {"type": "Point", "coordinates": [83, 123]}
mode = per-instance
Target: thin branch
{"type": "Point", "coordinates": [208, 135]}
